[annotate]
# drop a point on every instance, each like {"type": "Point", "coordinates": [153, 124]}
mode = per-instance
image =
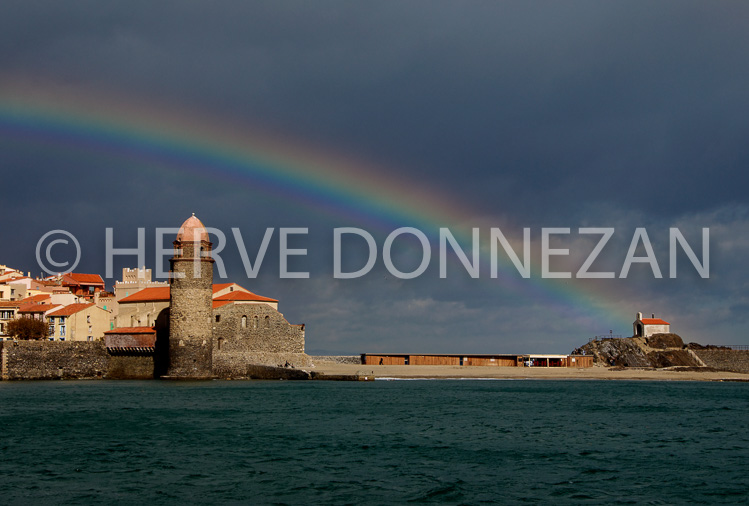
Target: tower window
{"type": "Point", "coordinates": [218, 318]}
{"type": "Point", "coordinates": [267, 321]}
{"type": "Point", "coordinates": [254, 322]}
{"type": "Point", "coordinates": [244, 322]}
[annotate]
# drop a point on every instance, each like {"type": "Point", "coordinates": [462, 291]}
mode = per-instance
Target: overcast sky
{"type": "Point", "coordinates": [521, 114]}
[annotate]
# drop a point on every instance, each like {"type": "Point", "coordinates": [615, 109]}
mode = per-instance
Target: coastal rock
{"type": "Point", "coordinates": [656, 351]}
{"type": "Point", "coordinates": [664, 341]}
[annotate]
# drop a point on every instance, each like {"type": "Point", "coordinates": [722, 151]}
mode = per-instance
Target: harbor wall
{"type": "Point", "coordinates": [48, 360]}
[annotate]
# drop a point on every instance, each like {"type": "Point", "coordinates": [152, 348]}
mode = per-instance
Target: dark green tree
{"type": "Point", "coordinates": [27, 329]}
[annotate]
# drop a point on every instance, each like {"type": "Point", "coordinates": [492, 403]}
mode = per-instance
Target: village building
{"type": "Point", "coordinates": [37, 311]}
{"type": "Point", "coordinates": [16, 289]}
{"type": "Point", "coordinates": [129, 340]}
{"type": "Point", "coordinates": [8, 312]}
{"type": "Point", "coordinates": [8, 273]}
{"type": "Point", "coordinates": [646, 327]}
{"type": "Point", "coordinates": [82, 285]}
{"type": "Point", "coordinates": [106, 301]}
{"type": "Point", "coordinates": [133, 281]}
{"type": "Point", "coordinates": [142, 307]}
{"type": "Point", "coordinates": [78, 322]}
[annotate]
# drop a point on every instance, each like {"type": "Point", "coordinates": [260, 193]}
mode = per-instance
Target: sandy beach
{"type": "Point", "coordinates": [467, 372]}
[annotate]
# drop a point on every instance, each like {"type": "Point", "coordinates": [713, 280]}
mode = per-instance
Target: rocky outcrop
{"type": "Point", "coordinates": [615, 351]}
{"type": "Point", "coordinates": [266, 372]}
{"type": "Point", "coordinates": [337, 359]}
{"type": "Point", "coordinates": [656, 351]}
{"type": "Point", "coordinates": [663, 341]}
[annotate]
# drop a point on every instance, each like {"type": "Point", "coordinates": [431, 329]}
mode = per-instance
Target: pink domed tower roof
{"type": "Point", "coordinates": [192, 230]}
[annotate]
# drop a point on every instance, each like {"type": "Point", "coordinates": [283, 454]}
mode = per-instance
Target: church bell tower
{"type": "Point", "coordinates": [191, 303]}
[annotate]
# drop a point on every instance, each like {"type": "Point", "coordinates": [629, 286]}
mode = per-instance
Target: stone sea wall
{"type": "Point", "coordinates": [54, 360]}
{"type": "Point", "coordinates": [47, 360]}
{"type": "Point", "coordinates": [726, 360]}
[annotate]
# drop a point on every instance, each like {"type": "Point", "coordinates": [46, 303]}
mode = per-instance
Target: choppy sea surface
{"type": "Point", "coordinates": [383, 442]}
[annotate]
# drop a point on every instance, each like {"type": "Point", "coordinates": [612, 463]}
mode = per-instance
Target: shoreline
{"type": "Point", "coordinates": [400, 372]}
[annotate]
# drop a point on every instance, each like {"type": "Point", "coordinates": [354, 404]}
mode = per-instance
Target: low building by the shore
{"type": "Point", "coordinates": [501, 360]}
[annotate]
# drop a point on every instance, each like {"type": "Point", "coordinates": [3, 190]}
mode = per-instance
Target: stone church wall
{"type": "Point", "coordinates": [246, 334]}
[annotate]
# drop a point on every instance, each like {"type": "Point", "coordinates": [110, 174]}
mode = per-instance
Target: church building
{"type": "Point", "coordinates": [646, 327]}
{"type": "Point", "coordinates": [204, 330]}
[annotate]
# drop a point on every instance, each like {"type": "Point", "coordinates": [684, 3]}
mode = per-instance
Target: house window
{"type": "Point", "coordinates": [89, 329]}
{"type": "Point", "coordinates": [62, 332]}
{"type": "Point", "coordinates": [90, 338]}
{"type": "Point", "coordinates": [51, 329]}
{"type": "Point", "coordinates": [244, 322]}
{"type": "Point", "coordinates": [88, 318]}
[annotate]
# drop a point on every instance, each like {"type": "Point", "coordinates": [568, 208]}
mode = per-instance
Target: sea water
{"type": "Point", "coordinates": [383, 442]}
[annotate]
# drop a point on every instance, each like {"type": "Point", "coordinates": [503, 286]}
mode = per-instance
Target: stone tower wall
{"type": "Point", "coordinates": [191, 313]}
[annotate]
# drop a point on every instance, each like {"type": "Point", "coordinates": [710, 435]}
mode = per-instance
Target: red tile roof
{"type": "Point", "coordinates": [132, 330]}
{"type": "Point", "coordinates": [244, 296]}
{"type": "Point", "coordinates": [37, 308]}
{"type": "Point", "coordinates": [654, 321]}
{"type": "Point", "coordinates": [161, 293]}
{"type": "Point", "coordinates": [10, 303]}
{"type": "Point", "coordinates": [153, 294]}
{"type": "Point", "coordinates": [222, 286]}
{"type": "Point", "coordinates": [36, 298]}
{"type": "Point", "coordinates": [219, 303]}
{"type": "Point", "coordinates": [13, 279]}
{"type": "Point", "coordinates": [70, 309]}
{"type": "Point", "coordinates": [85, 279]}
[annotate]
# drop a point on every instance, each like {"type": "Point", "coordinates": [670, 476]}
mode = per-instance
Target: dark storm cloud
{"type": "Point", "coordinates": [539, 113]}
{"type": "Point", "coordinates": [539, 101]}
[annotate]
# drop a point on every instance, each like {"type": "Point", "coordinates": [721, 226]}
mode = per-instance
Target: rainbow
{"type": "Point", "coordinates": [327, 182]}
